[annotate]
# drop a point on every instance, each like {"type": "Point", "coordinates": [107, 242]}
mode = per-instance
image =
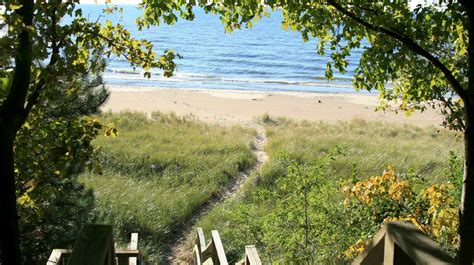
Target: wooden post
{"type": "Point", "coordinates": [201, 238]}
{"type": "Point", "coordinates": [200, 243]}
{"type": "Point", "coordinates": [94, 246]}
{"type": "Point", "coordinates": [388, 251]}
{"type": "Point", "coordinates": [215, 251]}
{"type": "Point", "coordinates": [196, 255]}
{"type": "Point", "coordinates": [402, 243]}
{"type": "Point", "coordinates": [129, 256]}
{"type": "Point", "coordinates": [251, 256]}
{"type": "Point", "coordinates": [218, 255]}
{"type": "Point", "coordinates": [133, 246]}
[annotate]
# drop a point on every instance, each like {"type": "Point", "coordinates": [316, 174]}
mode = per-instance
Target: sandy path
{"type": "Point", "coordinates": [181, 250]}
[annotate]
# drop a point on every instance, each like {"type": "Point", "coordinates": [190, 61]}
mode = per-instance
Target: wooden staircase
{"type": "Point", "coordinates": [95, 246]}
{"type": "Point", "coordinates": [402, 243]}
{"type": "Point", "coordinates": [213, 252]}
{"type": "Point", "coordinates": [396, 243]}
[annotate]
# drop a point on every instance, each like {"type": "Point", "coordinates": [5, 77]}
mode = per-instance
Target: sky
{"type": "Point", "coordinates": [136, 2]}
{"type": "Point", "coordinates": [115, 2]}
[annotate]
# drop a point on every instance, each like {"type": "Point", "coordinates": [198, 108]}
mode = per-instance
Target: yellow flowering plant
{"type": "Point", "coordinates": [391, 197]}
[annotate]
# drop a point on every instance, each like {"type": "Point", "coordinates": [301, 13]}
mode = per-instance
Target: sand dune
{"type": "Point", "coordinates": [241, 107]}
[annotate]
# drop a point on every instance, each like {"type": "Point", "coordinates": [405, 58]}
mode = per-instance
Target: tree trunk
{"type": "Point", "coordinates": [9, 221]}
{"type": "Point", "coordinates": [466, 208]}
{"type": "Point", "coordinates": [12, 117]}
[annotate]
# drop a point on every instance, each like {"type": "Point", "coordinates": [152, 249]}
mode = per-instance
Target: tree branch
{"type": "Point", "coordinates": [448, 104]}
{"type": "Point", "coordinates": [411, 44]}
{"type": "Point", "coordinates": [34, 96]}
{"type": "Point", "coordinates": [54, 36]}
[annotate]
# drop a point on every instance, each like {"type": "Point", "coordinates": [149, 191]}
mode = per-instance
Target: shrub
{"type": "Point", "coordinates": [392, 197]}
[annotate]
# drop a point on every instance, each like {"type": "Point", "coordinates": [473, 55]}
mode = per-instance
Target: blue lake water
{"type": "Point", "coordinates": [264, 57]}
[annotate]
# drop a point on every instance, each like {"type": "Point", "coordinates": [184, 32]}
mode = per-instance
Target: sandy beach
{"type": "Point", "coordinates": [229, 107]}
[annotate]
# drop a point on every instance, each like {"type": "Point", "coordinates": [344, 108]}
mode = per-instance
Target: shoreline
{"type": "Point", "coordinates": [230, 107]}
{"type": "Point", "coordinates": [126, 88]}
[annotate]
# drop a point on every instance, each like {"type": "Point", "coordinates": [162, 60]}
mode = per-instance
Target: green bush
{"type": "Point", "coordinates": [51, 149]}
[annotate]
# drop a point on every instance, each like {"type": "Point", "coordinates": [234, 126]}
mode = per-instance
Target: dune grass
{"type": "Point", "coordinates": [367, 147]}
{"type": "Point", "coordinates": [159, 171]}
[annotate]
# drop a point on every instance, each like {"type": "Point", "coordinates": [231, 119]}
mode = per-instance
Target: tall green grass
{"type": "Point", "coordinates": [159, 171]}
{"type": "Point", "coordinates": [367, 147]}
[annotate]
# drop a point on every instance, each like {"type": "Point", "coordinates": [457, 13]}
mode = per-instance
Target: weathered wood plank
{"type": "Point", "coordinates": [133, 241]}
{"type": "Point", "coordinates": [251, 256]}
{"type": "Point", "coordinates": [214, 252]}
{"type": "Point", "coordinates": [218, 256]}
{"type": "Point", "coordinates": [127, 253]}
{"type": "Point", "coordinates": [58, 256]}
{"type": "Point", "coordinates": [94, 246]}
{"type": "Point", "coordinates": [133, 246]}
{"type": "Point", "coordinates": [123, 255]}
{"type": "Point", "coordinates": [402, 243]}
{"type": "Point", "coordinates": [207, 252]}
{"type": "Point", "coordinates": [200, 243]}
{"type": "Point", "coordinates": [196, 256]}
{"type": "Point", "coordinates": [200, 240]}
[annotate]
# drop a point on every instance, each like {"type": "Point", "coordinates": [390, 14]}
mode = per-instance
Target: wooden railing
{"type": "Point", "coordinates": [402, 243]}
{"type": "Point", "coordinates": [395, 243]}
{"type": "Point", "coordinates": [214, 251]}
{"type": "Point", "coordinates": [95, 246]}
{"type": "Point", "coordinates": [251, 256]}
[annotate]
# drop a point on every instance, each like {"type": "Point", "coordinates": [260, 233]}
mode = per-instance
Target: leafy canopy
{"type": "Point", "coordinates": [414, 57]}
{"type": "Point", "coordinates": [52, 204]}
{"type": "Point", "coordinates": [68, 54]}
{"type": "Point", "coordinates": [65, 43]}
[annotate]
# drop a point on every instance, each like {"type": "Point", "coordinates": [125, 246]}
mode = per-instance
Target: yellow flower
{"type": "Point", "coordinates": [400, 190]}
{"type": "Point", "coordinates": [354, 250]}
